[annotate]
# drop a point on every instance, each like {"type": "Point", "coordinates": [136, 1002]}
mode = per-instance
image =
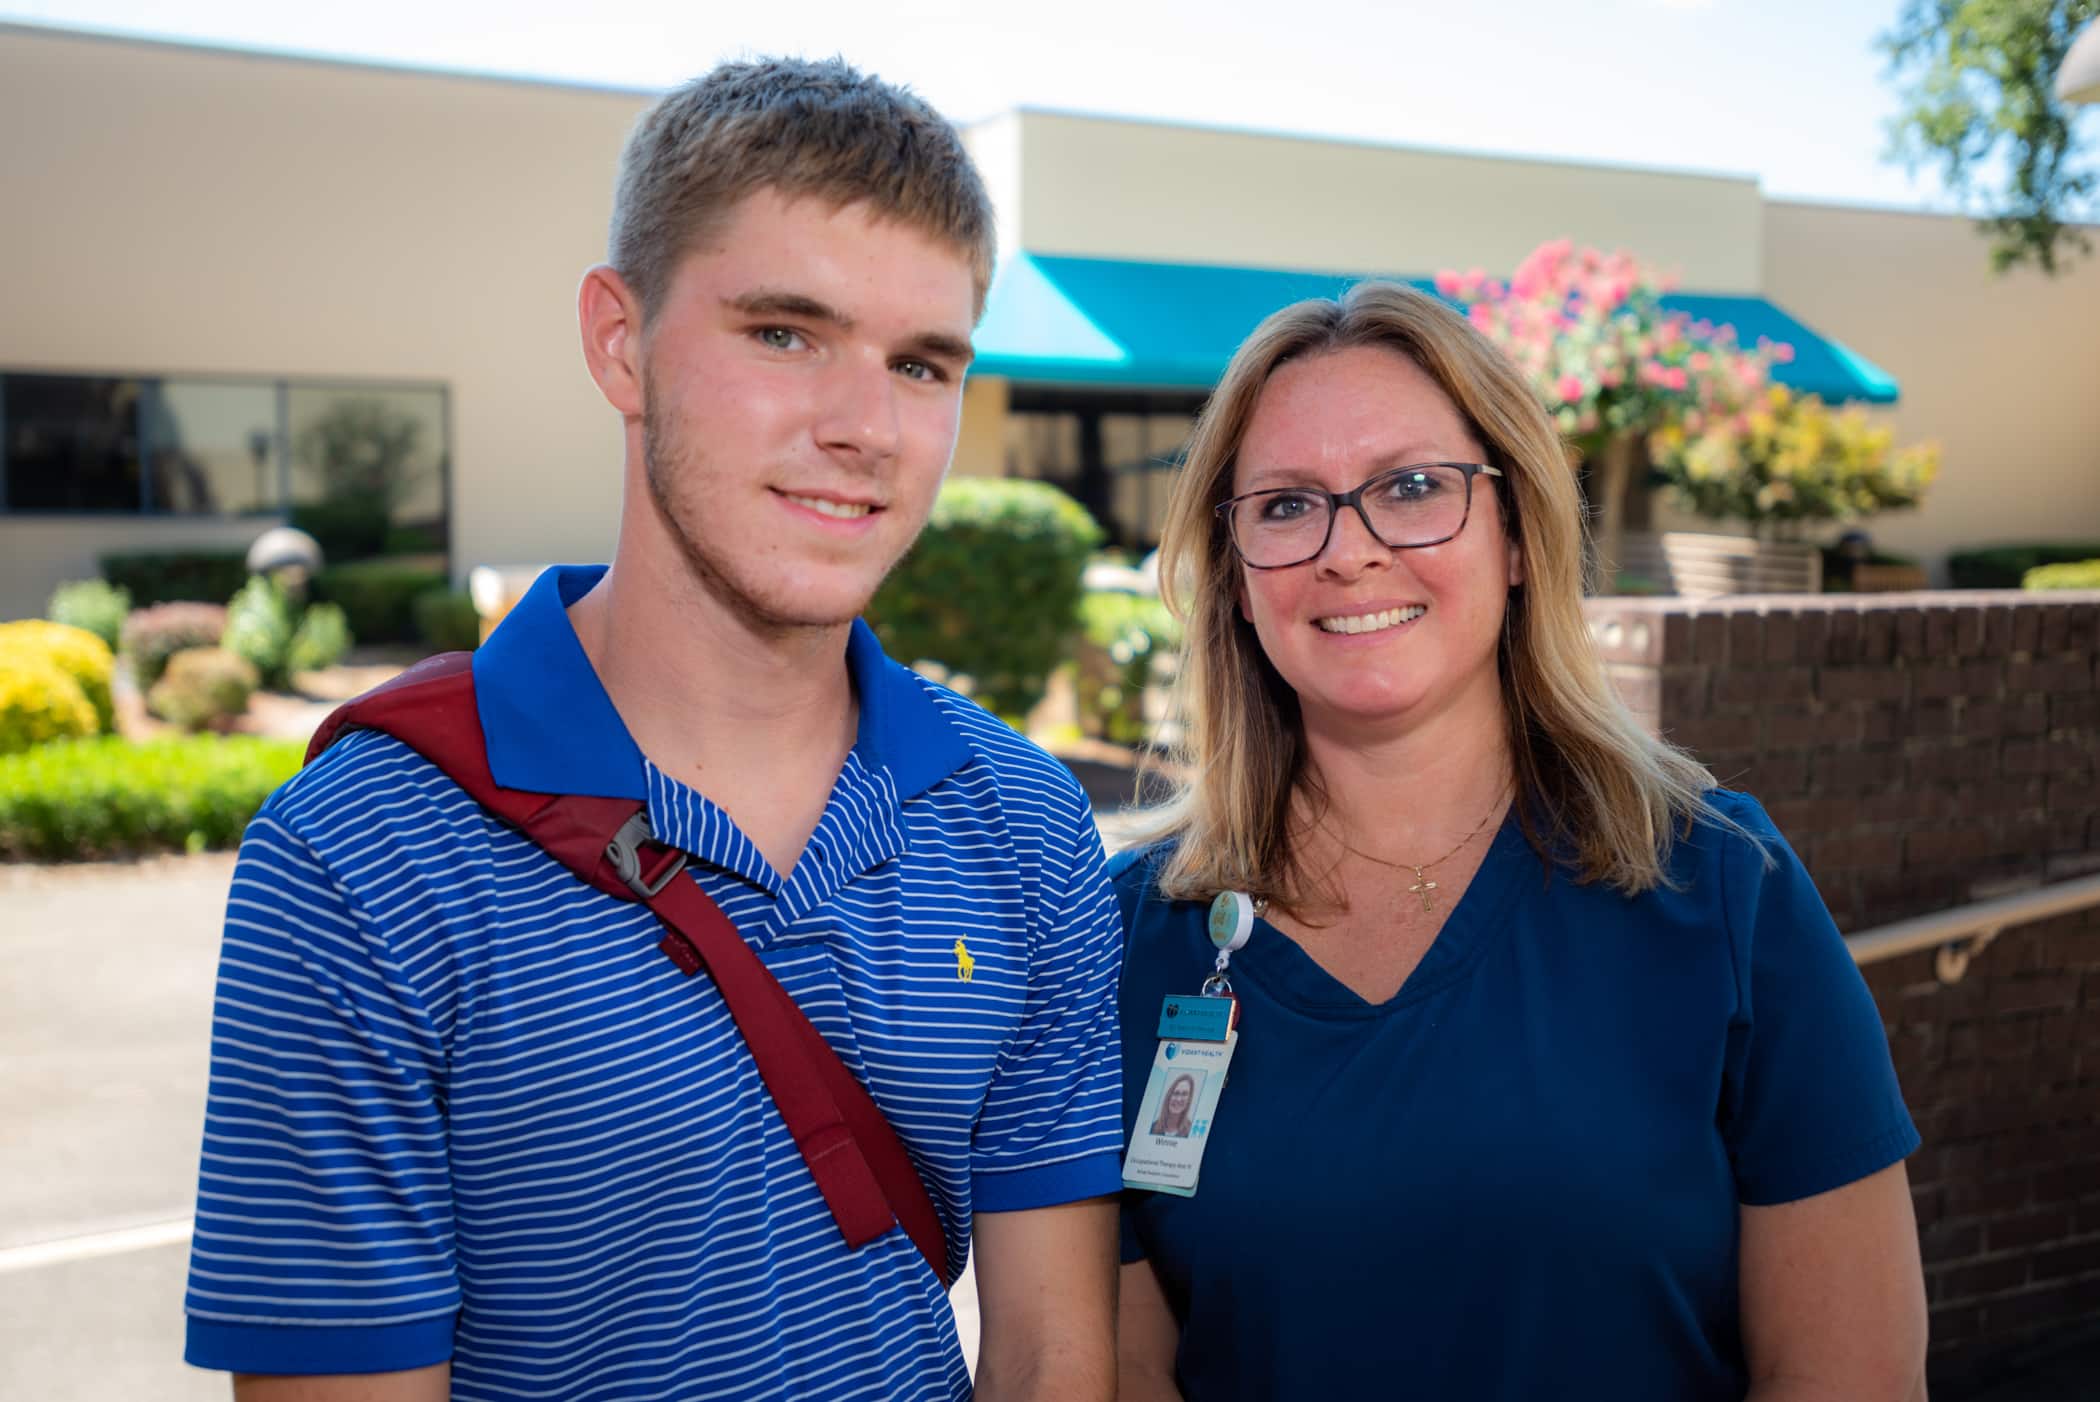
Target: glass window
{"type": "Point", "coordinates": [1143, 450]}
{"type": "Point", "coordinates": [213, 448]}
{"type": "Point", "coordinates": [71, 443]}
{"type": "Point", "coordinates": [364, 465]}
{"type": "Point", "coordinates": [1112, 450]}
{"type": "Point", "coordinates": [1043, 446]}
{"type": "Point", "coordinates": [375, 451]}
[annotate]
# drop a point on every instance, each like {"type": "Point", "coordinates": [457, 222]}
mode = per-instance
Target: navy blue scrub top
{"type": "Point", "coordinates": [1520, 1176]}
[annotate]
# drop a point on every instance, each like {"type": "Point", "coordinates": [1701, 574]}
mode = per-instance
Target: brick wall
{"type": "Point", "coordinates": [1923, 751]}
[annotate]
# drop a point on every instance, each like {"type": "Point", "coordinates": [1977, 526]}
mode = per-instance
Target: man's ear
{"type": "Point", "coordinates": [610, 318]}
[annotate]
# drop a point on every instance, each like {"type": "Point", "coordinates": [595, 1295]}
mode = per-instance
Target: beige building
{"type": "Point", "coordinates": [221, 264]}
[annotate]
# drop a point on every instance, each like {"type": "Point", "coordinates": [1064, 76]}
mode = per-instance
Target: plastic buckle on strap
{"type": "Point", "coordinates": [625, 854]}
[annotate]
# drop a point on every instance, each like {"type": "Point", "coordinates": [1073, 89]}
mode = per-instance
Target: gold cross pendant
{"type": "Point", "coordinates": [1422, 888]}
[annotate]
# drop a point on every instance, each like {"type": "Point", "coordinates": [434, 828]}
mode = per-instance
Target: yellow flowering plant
{"type": "Point", "coordinates": [1790, 458]}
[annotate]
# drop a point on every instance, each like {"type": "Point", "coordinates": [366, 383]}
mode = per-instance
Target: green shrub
{"type": "Point", "coordinates": [76, 652]}
{"type": "Point", "coordinates": [153, 635]}
{"type": "Point", "coordinates": [321, 640]}
{"type": "Point", "coordinates": [1122, 638]}
{"type": "Point", "coordinates": [177, 576]}
{"type": "Point", "coordinates": [92, 604]}
{"type": "Point", "coordinates": [991, 590]}
{"type": "Point", "coordinates": [446, 620]}
{"type": "Point", "coordinates": [416, 538]}
{"type": "Point", "coordinates": [39, 703]}
{"type": "Point", "coordinates": [2081, 574]}
{"type": "Point", "coordinates": [108, 797]}
{"type": "Point", "coordinates": [378, 597]}
{"type": "Point", "coordinates": [259, 626]}
{"type": "Point", "coordinates": [204, 688]}
{"type": "Point", "coordinates": [2006, 566]}
{"type": "Point", "coordinates": [346, 528]}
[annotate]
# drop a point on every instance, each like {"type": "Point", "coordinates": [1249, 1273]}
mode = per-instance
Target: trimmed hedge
{"type": "Point", "coordinates": [76, 652]}
{"type": "Point", "coordinates": [107, 797]}
{"type": "Point", "coordinates": [378, 597]}
{"type": "Point", "coordinates": [991, 590]}
{"type": "Point", "coordinates": [177, 576]}
{"type": "Point", "coordinates": [39, 704]}
{"type": "Point", "coordinates": [93, 604]}
{"type": "Point", "coordinates": [2006, 566]}
{"type": "Point", "coordinates": [2082, 574]}
{"type": "Point", "coordinates": [204, 688]}
{"type": "Point", "coordinates": [447, 621]}
{"type": "Point", "coordinates": [153, 635]}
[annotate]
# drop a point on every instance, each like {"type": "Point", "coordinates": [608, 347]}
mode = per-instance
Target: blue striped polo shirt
{"type": "Point", "coordinates": [462, 1107]}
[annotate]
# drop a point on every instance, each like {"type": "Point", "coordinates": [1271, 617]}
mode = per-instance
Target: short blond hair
{"type": "Point", "coordinates": [819, 130]}
{"type": "Point", "coordinates": [1595, 791]}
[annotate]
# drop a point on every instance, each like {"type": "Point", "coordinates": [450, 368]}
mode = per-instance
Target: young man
{"type": "Point", "coordinates": [470, 1133]}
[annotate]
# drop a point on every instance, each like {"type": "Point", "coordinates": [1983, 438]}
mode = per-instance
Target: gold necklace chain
{"type": "Point", "coordinates": [1424, 887]}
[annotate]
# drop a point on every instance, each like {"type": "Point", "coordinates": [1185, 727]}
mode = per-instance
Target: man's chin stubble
{"type": "Point", "coordinates": [710, 578]}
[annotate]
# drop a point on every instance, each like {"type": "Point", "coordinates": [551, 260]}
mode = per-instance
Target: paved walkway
{"type": "Point", "coordinates": [105, 1011]}
{"type": "Point", "coordinates": [105, 1017]}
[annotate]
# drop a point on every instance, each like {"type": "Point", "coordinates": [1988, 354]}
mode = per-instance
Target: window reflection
{"type": "Point", "coordinates": [213, 448]}
{"type": "Point", "coordinates": [366, 465]}
{"type": "Point", "coordinates": [372, 459]}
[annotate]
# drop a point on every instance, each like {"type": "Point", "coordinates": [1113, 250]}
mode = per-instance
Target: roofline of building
{"type": "Point", "coordinates": [1865, 206]}
{"type": "Point", "coordinates": [221, 49]}
{"type": "Point", "coordinates": [1372, 144]}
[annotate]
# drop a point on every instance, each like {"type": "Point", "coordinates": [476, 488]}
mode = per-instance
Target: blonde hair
{"type": "Point", "coordinates": [817, 129]}
{"type": "Point", "coordinates": [1594, 791]}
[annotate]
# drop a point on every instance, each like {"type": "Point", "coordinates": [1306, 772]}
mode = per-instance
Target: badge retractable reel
{"type": "Point", "coordinates": [1197, 1036]}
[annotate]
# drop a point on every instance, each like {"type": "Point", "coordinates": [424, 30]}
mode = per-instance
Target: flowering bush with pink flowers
{"type": "Point", "coordinates": [1589, 330]}
{"type": "Point", "coordinates": [1610, 363]}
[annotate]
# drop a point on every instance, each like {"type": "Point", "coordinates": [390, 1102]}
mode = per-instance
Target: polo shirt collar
{"type": "Point", "coordinates": [902, 729]}
{"type": "Point", "coordinates": [549, 727]}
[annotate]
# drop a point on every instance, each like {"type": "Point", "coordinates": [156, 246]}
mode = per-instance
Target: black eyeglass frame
{"type": "Point", "coordinates": [1354, 499]}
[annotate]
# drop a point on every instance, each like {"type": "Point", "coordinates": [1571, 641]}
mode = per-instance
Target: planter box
{"type": "Point", "coordinates": [1696, 564]}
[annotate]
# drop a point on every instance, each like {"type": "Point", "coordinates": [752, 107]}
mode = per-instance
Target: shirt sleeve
{"type": "Point", "coordinates": [324, 1221]}
{"type": "Point", "coordinates": [1051, 1127]}
{"type": "Point", "coordinates": [1811, 1101]}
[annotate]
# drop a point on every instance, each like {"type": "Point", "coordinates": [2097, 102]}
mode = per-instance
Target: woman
{"type": "Point", "coordinates": [1173, 1118]}
{"type": "Point", "coordinates": [1553, 1077]}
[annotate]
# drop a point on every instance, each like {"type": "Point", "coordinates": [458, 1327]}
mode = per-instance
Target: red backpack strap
{"type": "Point", "coordinates": [841, 1131]}
{"type": "Point", "coordinates": [860, 1165]}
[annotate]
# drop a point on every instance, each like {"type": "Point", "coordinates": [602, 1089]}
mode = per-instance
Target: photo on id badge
{"type": "Point", "coordinates": [1174, 1118]}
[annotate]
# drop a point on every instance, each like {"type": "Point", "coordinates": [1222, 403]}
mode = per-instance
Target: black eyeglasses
{"type": "Point", "coordinates": [1404, 508]}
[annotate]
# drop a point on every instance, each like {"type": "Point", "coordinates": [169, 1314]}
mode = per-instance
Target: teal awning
{"type": "Point", "coordinates": [1105, 321]}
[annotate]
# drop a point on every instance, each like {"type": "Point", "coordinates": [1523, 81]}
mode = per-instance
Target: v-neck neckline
{"type": "Point", "coordinates": [1283, 967]}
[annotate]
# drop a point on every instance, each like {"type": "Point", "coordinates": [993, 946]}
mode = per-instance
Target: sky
{"type": "Point", "coordinates": [1792, 92]}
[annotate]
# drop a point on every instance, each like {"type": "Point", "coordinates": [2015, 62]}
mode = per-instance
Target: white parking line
{"type": "Point", "coordinates": [80, 1248]}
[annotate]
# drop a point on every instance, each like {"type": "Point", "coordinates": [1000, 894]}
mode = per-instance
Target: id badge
{"type": "Point", "coordinates": [1181, 1096]}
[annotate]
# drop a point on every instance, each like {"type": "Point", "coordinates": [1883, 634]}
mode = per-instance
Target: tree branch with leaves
{"type": "Point", "coordinates": [1979, 105]}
